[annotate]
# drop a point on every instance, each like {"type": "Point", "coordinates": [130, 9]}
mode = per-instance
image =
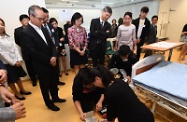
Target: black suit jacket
{"type": "Point", "coordinates": [145, 30]}
{"type": "Point", "coordinates": [97, 33]}
{"type": "Point", "coordinates": [41, 52]}
{"type": "Point", "coordinates": [152, 34]}
{"type": "Point", "coordinates": [60, 35]}
{"type": "Point", "coordinates": [17, 37]}
{"type": "Point", "coordinates": [54, 34]}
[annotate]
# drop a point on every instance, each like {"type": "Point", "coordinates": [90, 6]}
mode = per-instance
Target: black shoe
{"type": "Point", "coordinates": [54, 108]}
{"type": "Point", "coordinates": [20, 98]}
{"type": "Point", "coordinates": [25, 93]}
{"type": "Point", "coordinates": [59, 100]}
{"type": "Point", "coordinates": [61, 83]}
{"type": "Point", "coordinates": [60, 75]}
{"type": "Point", "coordinates": [66, 73]}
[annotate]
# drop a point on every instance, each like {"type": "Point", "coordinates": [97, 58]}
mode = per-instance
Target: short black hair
{"type": "Point", "coordinates": [45, 10]}
{"type": "Point", "coordinates": [107, 9]}
{"type": "Point", "coordinates": [155, 16]}
{"type": "Point", "coordinates": [114, 20]}
{"type": "Point", "coordinates": [145, 9]}
{"type": "Point", "coordinates": [129, 14]}
{"type": "Point", "coordinates": [51, 20]}
{"type": "Point", "coordinates": [23, 16]}
{"type": "Point", "coordinates": [75, 17]}
{"type": "Point", "coordinates": [124, 50]}
{"type": "Point", "coordinates": [100, 71]}
{"type": "Point", "coordinates": [120, 21]}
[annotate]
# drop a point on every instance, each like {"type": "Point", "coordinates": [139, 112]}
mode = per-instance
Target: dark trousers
{"type": "Point", "coordinates": [30, 70]}
{"type": "Point", "coordinates": [98, 56]}
{"type": "Point", "coordinates": [139, 50]}
{"type": "Point", "coordinates": [148, 53]}
{"type": "Point", "coordinates": [48, 85]}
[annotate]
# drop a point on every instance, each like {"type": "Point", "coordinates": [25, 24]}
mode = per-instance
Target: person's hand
{"type": "Point", "coordinates": [57, 49]}
{"type": "Point", "coordinates": [99, 106]}
{"type": "Point", "coordinates": [6, 95]}
{"type": "Point", "coordinates": [137, 41]}
{"type": "Point", "coordinates": [62, 39]}
{"type": "Point", "coordinates": [19, 110]}
{"type": "Point", "coordinates": [3, 76]}
{"type": "Point", "coordinates": [129, 79]}
{"type": "Point", "coordinates": [18, 63]}
{"type": "Point", "coordinates": [53, 61]}
{"type": "Point", "coordinates": [63, 51]}
{"type": "Point", "coordinates": [82, 53]}
{"type": "Point", "coordinates": [83, 116]}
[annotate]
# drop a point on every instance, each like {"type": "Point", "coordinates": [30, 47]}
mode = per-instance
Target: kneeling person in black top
{"type": "Point", "coordinates": [122, 103]}
{"type": "Point", "coordinates": [124, 58]}
{"type": "Point", "coordinates": [85, 96]}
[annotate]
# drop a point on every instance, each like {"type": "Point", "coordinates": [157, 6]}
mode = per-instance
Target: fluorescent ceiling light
{"type": "Point", "coordinates": [75, 1]}
{"type": "Point", "coordinates": [108, 3]}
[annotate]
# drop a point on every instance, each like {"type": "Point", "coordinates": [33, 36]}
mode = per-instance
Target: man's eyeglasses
{"type": "Point", "coordinates": [40, 19]}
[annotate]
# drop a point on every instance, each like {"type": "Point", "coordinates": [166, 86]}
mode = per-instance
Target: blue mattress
{"type": "Point", "coordinates": [166, 76]}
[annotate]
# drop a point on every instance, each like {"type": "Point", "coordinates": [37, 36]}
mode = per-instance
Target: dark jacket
{"type": "Point", "coordinates": [60, 35]}
{"type": "Point", "coordinates": [18, 37]}
{"type": "Point", "coordinates": [152, 34]}
{"type": "Point", "coordinates": [116, 62]}
{"type": "Point", "coordinates": [145, 30]}
{"type": "Point", "coordinates": [99, 34]}
{"type": "Point", "coordinates": [41, 52]}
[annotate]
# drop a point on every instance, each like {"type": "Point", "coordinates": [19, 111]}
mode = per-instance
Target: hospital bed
{"type": "Point", "coordinates": [163, 83]}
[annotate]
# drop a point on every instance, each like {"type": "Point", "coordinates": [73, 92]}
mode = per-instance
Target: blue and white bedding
{"type": "Point", "coordinates": [166, 76]}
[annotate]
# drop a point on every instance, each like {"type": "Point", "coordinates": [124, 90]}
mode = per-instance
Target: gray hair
{"type": "Point", "coordinates": [107, 9]}
{"type": "Point", "coordinates": [31, 10]}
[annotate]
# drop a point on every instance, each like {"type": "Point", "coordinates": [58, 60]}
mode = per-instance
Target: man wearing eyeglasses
{"type": "Point", "coordinates": [43, 53]}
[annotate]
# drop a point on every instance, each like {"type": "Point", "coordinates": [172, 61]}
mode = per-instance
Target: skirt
{"type": "Point", "coordinates": [77, 59]}
{"type": "Point", "coordinates": [14, 73]}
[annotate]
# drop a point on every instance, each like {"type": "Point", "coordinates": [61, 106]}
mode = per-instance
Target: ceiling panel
{"type": "Point", "coordinates": [89, 3]}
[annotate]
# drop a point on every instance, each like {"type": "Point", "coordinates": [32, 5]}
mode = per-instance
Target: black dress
{"type": "Point", "coordinates": [122, 103]}
{"type": "Point", "coordinates": [14, 73]}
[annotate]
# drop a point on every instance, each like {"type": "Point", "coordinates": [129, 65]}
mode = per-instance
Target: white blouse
{"type": "Point", "coordinates": [9, 52]}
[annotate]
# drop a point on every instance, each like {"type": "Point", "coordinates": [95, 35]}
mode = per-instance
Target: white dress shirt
{"type": "Point", "coordinates": [140, 27]}
{"type": "Point", "coordinates": [102, 22]}
{"type": "Point", "coordinates": [9, 53]}
{"type": "Point", "coordinates": [39, 31]}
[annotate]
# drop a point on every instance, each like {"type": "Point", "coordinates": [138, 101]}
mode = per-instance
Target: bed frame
{"type": "Point", "coordinates": [169, 102]}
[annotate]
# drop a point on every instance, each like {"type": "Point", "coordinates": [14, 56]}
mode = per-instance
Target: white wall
{"type": "Point", "coordinates": [12, 9]}
{"type": "Point", "coordinates": [88, 15]}
{"type": "Point", "coordinates": [135, 9]}
{"type": "Point", "coordinates": [177, 19]}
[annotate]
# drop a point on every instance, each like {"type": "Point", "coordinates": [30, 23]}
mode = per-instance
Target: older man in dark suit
{"type": "Point", "coordinates": [43, 53]}
{"type": "Point", "coordinates": [100, 30]}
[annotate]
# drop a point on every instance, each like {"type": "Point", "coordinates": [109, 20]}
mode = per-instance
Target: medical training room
{"type": "Point", "coordinates": [93, 61]}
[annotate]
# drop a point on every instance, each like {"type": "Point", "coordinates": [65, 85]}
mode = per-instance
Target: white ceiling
{"type": "Point", "coordinates": [89, 3]}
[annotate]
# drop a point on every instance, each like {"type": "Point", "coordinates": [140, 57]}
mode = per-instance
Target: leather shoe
{"type": "Point", "coordinates": [54, 108]}
{"type": "Point", "coordinates": [25, 93]}
{"type": "Point", "coordinates": [20, 98]}
{"type": "Point", "coordinates": [59, 100]}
